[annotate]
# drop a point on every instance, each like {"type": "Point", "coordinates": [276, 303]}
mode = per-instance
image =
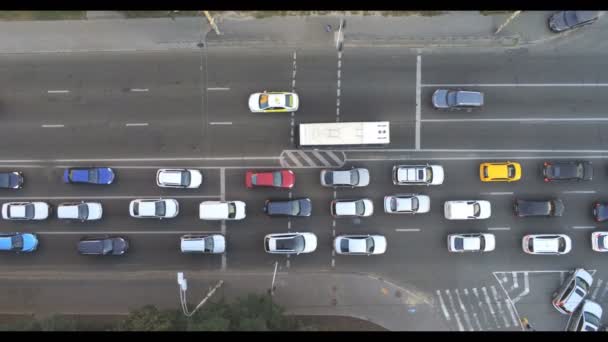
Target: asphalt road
{"type": "Point", "coordinates": [138, 112]}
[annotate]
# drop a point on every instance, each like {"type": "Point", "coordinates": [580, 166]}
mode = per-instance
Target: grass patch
{"type": "Point", "coordinates": [160, 14]}
{"type": "Point", "coordinates": [42, 15]}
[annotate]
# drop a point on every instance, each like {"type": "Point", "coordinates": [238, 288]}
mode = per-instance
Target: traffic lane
{"type": "Point", "coordinates": [43, 72]}
{"type": "Point", "coordinates": [245, 139]}
{"type": "Point", "coordinates": [512, 67]}
{"type": "Point", "coordinates": [519, 135]}
{"type": "Point", "coordinates": [146, 252]}
{"type": "Point", "coordinates": [231, 106]}
{"type": "Point", "coordinates": [135, 182]}
{"type": "Point", "coordinates": [316, 85]}
{"type": "Point", "coordinates": [526, 103]}
{"type": "Point", "coordinates": [99, 139]}
{"type": "Point", "coordinates": [378, 85]}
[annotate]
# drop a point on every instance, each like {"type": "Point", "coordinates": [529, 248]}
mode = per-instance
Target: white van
{"type": "Point", "coordinates": [83, 211]}
{"type": "Point", "coordinates": [222, 210]}
{"type": "Point", "coordinates": [208, 244]}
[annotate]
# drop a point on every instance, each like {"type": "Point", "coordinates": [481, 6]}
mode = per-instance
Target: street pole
{"type": "Point", "coordinates": [212, 22]}
{"type": "Point", "coordinates": [183, 287]}
{"type": "Point", "coordinates": [276, 264]}
{"type": "Point", "coordinates": [515, 14]}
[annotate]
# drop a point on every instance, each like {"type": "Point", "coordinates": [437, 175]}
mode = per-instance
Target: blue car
{"type": "Point", "coordinates": [18, 242]}
{"type": "Point", "coordinates": [90, 175]}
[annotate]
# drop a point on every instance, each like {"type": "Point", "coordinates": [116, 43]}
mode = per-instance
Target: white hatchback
{"type": "Point", "coordinates": [25, 211]}
{"type": "Point", "coordinates": [360, 244]}
{"type": "Point", "coordinates": [474, 242]}
{"type": "Point", "coordinates": [83, 211]}
{"type": "Point", "coordinates": [352, 208]}
{"type": "Point", "coordinates": [222, 210]}
{"type": "Point", "coordinates": [154, 208]}
{"type": "Point", "coordinates": [467, 210]}
{"type": "Point", "coordinates": [203, 243]}
{"type": "Point", "coordinates": [407, 204]}
{"type": "Point", "coordinates": [179, 178]}
{"type": "Point", "coordinates": [599, 241]}
{"type": "Point", "coordinates": [290, 243]}
{"type": "Point", "coordinates": [546, 244]}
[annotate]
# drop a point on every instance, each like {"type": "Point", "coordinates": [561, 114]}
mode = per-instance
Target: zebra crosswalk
{"type": "Point", "coordinates": [312, 159]}
{"type": "Point", "coordinates": [477, 309]}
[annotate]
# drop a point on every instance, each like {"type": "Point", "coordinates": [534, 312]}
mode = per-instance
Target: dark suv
{"type": "Point", "coordinates": [525, 208]}
{"type": "Point", "coordinates": [103, 246]}
{"type": "Point", "coordinates": [567, 171]}
{"type": "Point", "coordinates": [11, 180]}
{"type": "Point", "coordinates": [294, 207]}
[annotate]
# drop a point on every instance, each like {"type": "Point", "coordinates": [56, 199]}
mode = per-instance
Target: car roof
{"type": "Point", "coordinates": [404, 204]}
{"type": "Point", "coordinates": [357, 245]}
{"type": "Point", "coordinates": [6, 242]}
{"type": "Point", "coordinates": [469, 97]}
{"type": "Point", "coordinates": [17, 210]}
{"type": "Point", "coordinates": [171, 177]}
{"type": "Point", "coordinates": [346, 207]}
{"type": "Point", "coordinates": [69, 210]}
{"type": "Point", "coordinates": [147, 208]}
{"type": "Point", "coordinates": [546, 244]}
{"type": "Point", "coordinates": [471, 242]}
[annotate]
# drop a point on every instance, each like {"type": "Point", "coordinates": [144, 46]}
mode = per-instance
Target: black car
{"type": "Point", "coordinates": [567, 171]}
{"type": "Point", "coordinates": [103, 246]}
{"type": "Point", "coordinates": [600, 211]}
{"type": "Point", "coordinates": [11, 180]}
{"type": "Point", "coordinates": [525, 208]}
{"type": "Point", "coordinates": [567, 20]}
{"type": "Point", "coordinates": [294, 207]}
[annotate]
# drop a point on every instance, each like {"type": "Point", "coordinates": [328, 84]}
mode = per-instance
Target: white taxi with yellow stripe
{"type": "Point", "coordinates": [273, 102]}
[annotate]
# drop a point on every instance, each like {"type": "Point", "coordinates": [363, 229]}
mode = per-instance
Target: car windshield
{"type": "Point", "coordinates": [579, 170]}
{"type": "Point", "coordinates": [17, 242]}
{"type": "Point", "coordinates": [291, 244]}
{"type": "Point", "coordinates": [561, 244]}
{"type": "Point", "coordinates": [476, 209]}
{"type": "Point", "coordinates": [136, 208]}
{"type": "Point", "coordinates": [393, 204]}
{"type": "Point", "coordinates": [159, 208]}
{"type": "Point", "coordinates": [29, 211]}
{"type": "Point", "coordinates": [263, 101]}
{"type": "Point", "coordinates": [570, 18]}
{"type": "Point", "coordinates": [288, 100]}
{"type": "Point", "coordinates": [531, 245]}
{"type": "Point", "coordinates": [254, 179]}
{"type": "Point", "coordinates": [231, 210]}
{"type": "Point", "coordinates": [485, 171]}
{"type": "Point", "coordinates": [93, 176]}
{"type": "Point", "coordinates": [369, 245]}
{"type": "Point", "coordinates": [414, 203]}
{"type": "Point", "coordinates": [511, 171]}
{"type": "Point", "coordinates": [359, 207]}
{"type": "Point", "coordinates": [591, 318]}
{"type": "Point", "coordinates": [185, 178]}
{"type": "Point", "coordinates": [107, 246]}
{"type": "Point", "coordinates": [354, 177]}
{"type": "Point", "coordinates": [429, 174]}
{"type": "Point", "coordinates": [459, 243]}
{"type": "Point", "coordinates": [601, 241]}
{"type": "Point", "coordinates": [208, 244]}
{"type": "Point", "coordinates": [83, 211]}
{"type": "Point", "coordinates": [295, 207]}
{"type": "Point", "coordinates": [451, 98]}
{"type": "Point", "coordinates": [4, 180]}
{"type": "Point", "coordinates": [276, 178]}
{"type": "Point", "coordinates": [482, 243]}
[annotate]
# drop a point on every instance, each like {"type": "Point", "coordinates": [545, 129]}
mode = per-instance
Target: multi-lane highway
{"type": "Point", "coordinates": [137, 112]}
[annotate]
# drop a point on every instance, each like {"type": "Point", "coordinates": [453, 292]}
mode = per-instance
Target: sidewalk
{"type": "Point", "coordinates": [453, 29]}
{"type": "Point", "coordinates": [328, 294]}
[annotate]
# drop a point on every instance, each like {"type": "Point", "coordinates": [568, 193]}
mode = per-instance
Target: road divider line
{"type": "Point", "coordinates": [133, 232]}
{"type": "Point", "coordinates": [139, 90]}
{"type": "Point", "coordinates": [221, 123]}
{"type": "Point", "coordinates": [464, 150]}
{"type": "Point", "coordinates": [218, 88]}
{"type": "Point", "coordinates": [64, 91]}
{"type": "Point", "coordinates": [533, 120]}
{"type": "Point", "coordinates": [137, 124]}
{"type": "Point", "coordinates": [407, 229]}
{"type": "Point", "coordinates": [118, 197]}
{"type": "Point", "coordinates": [579, 192]}
{"type": "Point", "coordinates": [53, 126]}
{"type": "Point", "coordinates": [515, 85]}
{"type": "Point", "coordinates": [583, 227]}
{"type": "Point", "coordinates": [497, 193]}
{"type": "Point", "coordinates": [525, 291]}
{"type": "Point", "coordinates": [499, 228]}
{"type": "Point", "coordinates": [418, 99]}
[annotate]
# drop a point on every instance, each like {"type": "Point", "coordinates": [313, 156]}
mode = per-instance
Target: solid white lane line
{"type": "Point", "coordinates": [137, 124]}
{"type": "Point", "coordinates": [583, 227]}
{"type": "Point", "coordinates": [497, 193]}
{"type": "Point", "coordinates": [133, 232]}
{"type": "Point", "coordinates": [443, 307]}
{"type": "Point", "coordinates": [407, 229]}
{"type": "Point", "coordinates": [516, 85]}
{"type": "Point", "coordinates": [119, 197]}
{"type": "Point", "coordinates": [515, 282]}
{"type": "Point", "coordinates": [109, 160]}
{"type": "Point", "coordinates": [532, 120]}
{"type": "Point", "coordinates": [473, 158]}
{"type": "Point", "coordinates": [58, 91]}
{"type": "Point", "coordinates": [418, 100]}
{"type": "Point", "coordinates": [139, 90]}
{"type": "Point", "coordinates": [454, 150]}
{"type": "Point", "coordinates": [53, 126]}
{"type": "Point", "coordinates": [218, 88]}
{"type": "Point", "coordinates": [525, 291]}
{"type": "Point", "coordinates": [499, 228]}
{"type": "Point", "coordinates": [511, 312]}
{"type": "Point", "coordinates": [221, 123]}
{"type": "Point", "coordinates": [579, 192]}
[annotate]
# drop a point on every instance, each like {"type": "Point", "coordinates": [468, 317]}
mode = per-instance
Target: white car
{"type": "Point", "coordinates": [222, 210]}
{"type": "Point", "coordinates": [572, 292]}
{"type": "Point", "coordinates": [352, 208]}
{"type": "Point", "coordinates": [474, 242]}
{"type": "Point", "coordinates": [179, 178]}
{"type": "Point", "coordinates": [546, 244]}
{"type": "Point", "coordinates": [407, 204]}
{"type": "Point", "coordinates": [467, 210]}
{"type": "Point", "coordinates": [587, 318]}
{"type": "Point", "coordinates": [418, 174]}
{"type": "Point", "coordinates": [290, 243]}
{"type": "Point", "coordinates": [83, 211]}
{"type": "Point", "coordinates": [355, 177]}
{"type": "Point", "coordinates": [25, 211]}
{"type": "Point", "coordinates": [203, 243]}
{"type": "Point", "coordinates": [360, 244]}
{"type": "Point", "coordinates": [154, 208]}
{"type": "Point", "coordinates": [273, 102]}
{"type": "Point", "coordinates": [599, 241]}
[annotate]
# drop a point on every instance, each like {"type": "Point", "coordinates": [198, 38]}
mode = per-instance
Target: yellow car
{"type": "Point", "coordinates": [500, 172]}
{"type": "Point", "coordinates": [273, 102]}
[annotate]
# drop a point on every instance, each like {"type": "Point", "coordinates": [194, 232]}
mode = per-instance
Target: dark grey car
{"type": "Point", "coordinates": [525, 208]}
{"type": "Point", "coordinates": [294, 207]}
{"type": "Point", "coordinates": [567, 171]}
{"type": "Point", "coordinates": [355, 177]}
{"type": "Point", "coordinates": [103, 246]}
{"type": "Point", "coordinates": [11, 180]}
{"type": "Point", "coordinates": [567, 20]}
{"type": "Point", "coordinates": [457, 99]}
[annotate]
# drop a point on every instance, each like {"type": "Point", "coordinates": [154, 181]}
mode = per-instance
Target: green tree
{"type": "Point", "coordinates": [149, 318]}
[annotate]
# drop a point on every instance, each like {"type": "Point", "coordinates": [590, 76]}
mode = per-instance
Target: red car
{"type": "Point", "coordinates": [278, 179]}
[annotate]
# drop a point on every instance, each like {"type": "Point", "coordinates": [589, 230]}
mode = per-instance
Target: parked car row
{"type": "Point", "coordinates": [569, 299]}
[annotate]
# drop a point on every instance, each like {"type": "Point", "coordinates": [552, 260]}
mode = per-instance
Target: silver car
{"type": "Point", "coordinates": [572, 292]}
{"type": "Point", "coordinates": [457, 99]}
{"type": "Point", "coordinates": [407, 204]}
{"type": "Point", "coordinates": [355, 177]}
{"type": "Point", "coordinates": [587, 318]}
{"type": "Point", "coordinates": [352, 208]}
